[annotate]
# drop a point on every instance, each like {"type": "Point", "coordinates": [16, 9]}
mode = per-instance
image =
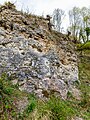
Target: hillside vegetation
{"type": "Point", "coordinates": [54, 108]}
{"type": "Point", "coordinates": [41, 78]}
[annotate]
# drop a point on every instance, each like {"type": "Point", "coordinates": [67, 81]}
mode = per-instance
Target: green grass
{"type": "Point", "coordinates": [83, 46]}
{"type": "Point", "coordinates": [84, 75]}
{"type": "Point", "coordinates": [9, 95]}
{"type": "Point", "coordinates": [7, 108]}
{"type": "Point", "coordinates": [53, 109]}
{"type": "Point", "coordinates": [61, 110]}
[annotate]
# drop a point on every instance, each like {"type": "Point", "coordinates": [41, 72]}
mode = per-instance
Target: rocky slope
{"type": "Point", "coordinates": [38, 60]}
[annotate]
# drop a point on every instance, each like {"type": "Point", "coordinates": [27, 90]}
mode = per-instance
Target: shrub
{"type": "Point", "coordinates": [7, 107]}
{"type": "Point", "coordinates": [32, 103]}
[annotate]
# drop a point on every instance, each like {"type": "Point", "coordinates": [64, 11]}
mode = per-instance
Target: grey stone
{"type": "Point", "coordinates": [40, 61]}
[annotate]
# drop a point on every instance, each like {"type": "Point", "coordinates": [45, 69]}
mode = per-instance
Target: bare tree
{"type": "Point", "coordinates": [85, 14]}
{"type": "Point", "coordinates": [58, 16]}
{"type": "Point", "coordinates": [80, 23]}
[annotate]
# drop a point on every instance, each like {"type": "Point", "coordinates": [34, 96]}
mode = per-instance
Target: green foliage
{"type": "Point", "coordinates": [31, 107]}
{"type": "Point", "coordinates": [69, 95]}
{"type": "Point", "coordinates": [87, 29]}
{"type": "Point", "coordinates": [79, 23]}
{"type": "Point", "coordinates": [32, 103]}
{"type": "Point", "coordinates": [53, 109]}
{"type": "Point", "coordinates": [84, 46]}
{"type": "Point", "coordinates": [61, 110]}
{"type": "Point", "coordinates": [5, 85]}
{"type": "Point", "coordinates": [84, 76]}
{"type": "Point", "coordinates": [7, 107]}
{"type": "Point", "coordinates": [9, 95]}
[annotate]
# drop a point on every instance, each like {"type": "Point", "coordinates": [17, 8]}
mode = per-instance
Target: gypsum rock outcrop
{"type": "Point", "coordinates": [40, 61]}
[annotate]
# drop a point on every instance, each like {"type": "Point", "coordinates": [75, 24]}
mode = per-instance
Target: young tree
{"type": "Point", "coordinates": [75, 21]}
{"type": "Point", "coordinates": [87, 29]}
{"type": "Point", "coordinates": [85, 14]}
{"type": "Point", "coordinates": [58, 16]}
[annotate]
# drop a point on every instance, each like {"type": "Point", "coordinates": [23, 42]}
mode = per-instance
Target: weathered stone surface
{"type": "Point", "coordinates": [38, 60]}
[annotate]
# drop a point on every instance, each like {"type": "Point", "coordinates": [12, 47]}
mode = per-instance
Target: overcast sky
{"type": "Point", "coordinates": [44, 7]}
{"type": "Point", "coordinates": [47, 6]}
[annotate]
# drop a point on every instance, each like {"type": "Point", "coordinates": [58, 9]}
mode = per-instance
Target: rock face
{"type": "Point", "coordinates": [40, 61]}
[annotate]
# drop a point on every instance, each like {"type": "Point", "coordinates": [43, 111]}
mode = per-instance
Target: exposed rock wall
{"type": "Point", "coordinates": [38, 60]}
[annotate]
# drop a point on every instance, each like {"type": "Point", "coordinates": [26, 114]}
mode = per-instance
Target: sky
{"type": "Point", "coordinates": [43, 7]}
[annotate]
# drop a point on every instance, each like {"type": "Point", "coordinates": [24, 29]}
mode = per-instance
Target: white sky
{"type": "Point", "coordinates": [40, 7]}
